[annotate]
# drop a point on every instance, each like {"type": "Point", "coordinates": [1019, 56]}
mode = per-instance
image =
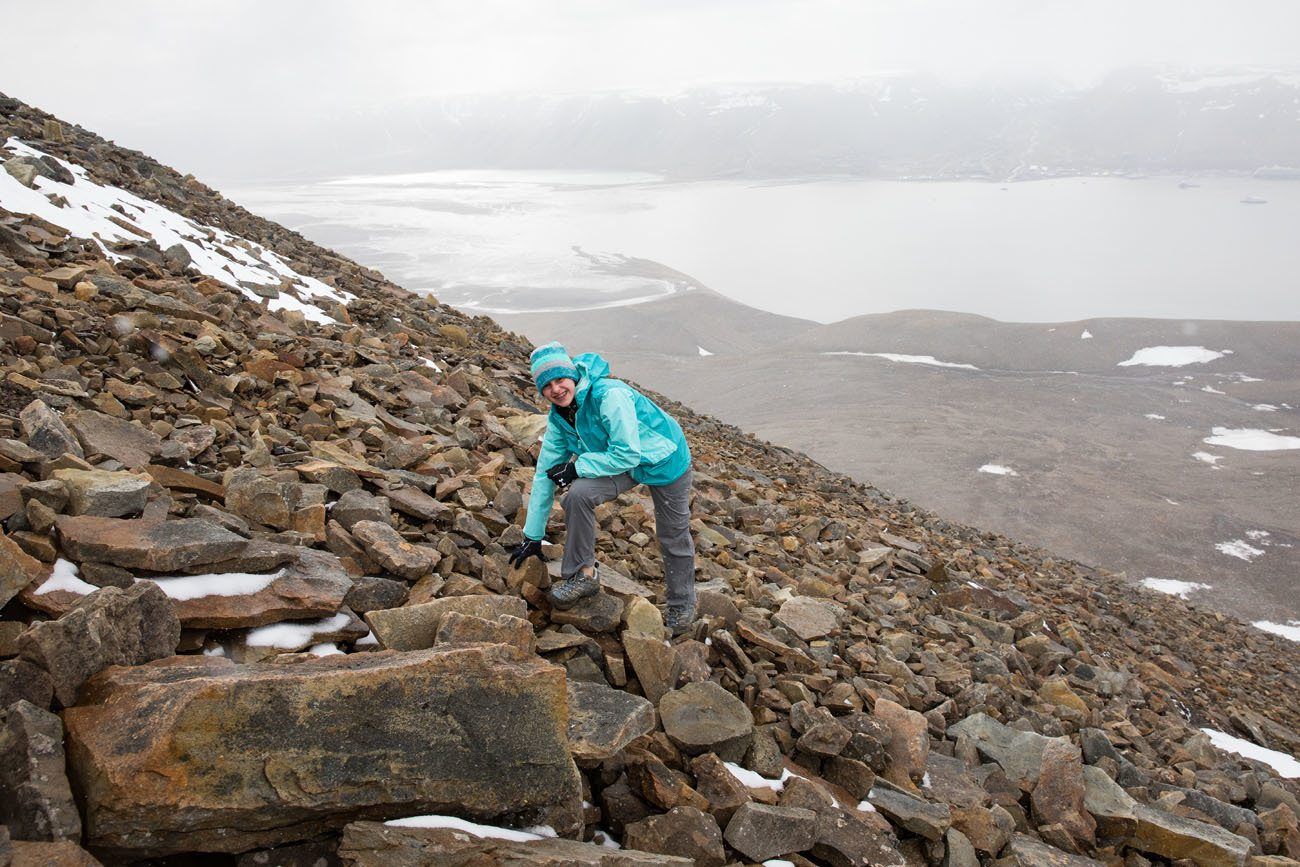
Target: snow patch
{"type": "Point", "coordinates": [1086, 335]}
{"type": "Point", "coordinates": [1153, 415]}
{"type": "Point", "coordinates": [998, 470]}
{"type": "Point", "coordinates": [908, 359]}
{"type": "Point", "coordinates": [64, 575]}
{"type": "Point", "coordinates": [1209, 389]}
{"type": "Point", "coordinates": [1286, 766]}
{"type": "Point", "coordinates": [753, 780]}
{"type": "Point", "coordinates": [1171, 356]}
{"type": "Point", "coordinates": [1264, 407]}
{"type": "Point", "coordinates": [292, 635]}
{"type": "Point", "coordinates": [1290, 630]}
{"type": "Point", "coordinates": [183, 587]}
{"type": "Point", "coordinates": [1251, 440]}
{"type": "Point", "coordinates": [1239, 548]}
{"type": "Point", "coordinates": [1173, 587]}
{"type": "Point", "coordinates": [474, 828]}
{"type": "Point", "coordinates": [325, 650]}
{"type": "Point", "coordinates": [1206, 457]}
{"type": "Point", "coordinates": [704, 353]}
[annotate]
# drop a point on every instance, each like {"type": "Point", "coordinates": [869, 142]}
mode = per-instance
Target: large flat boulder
{"type": "Point", "coordinates": [603, 720]}
{"type": "Point", "coordinates": [132, 444]}
{"type": "Point", "coordinates": [314, 584]}
{"type": "Point", "coordinates": [241, 757]}
{"type": "Point", "coordinates": [374, 844]}
{"type": "Point", "coordinates": [164, 546]}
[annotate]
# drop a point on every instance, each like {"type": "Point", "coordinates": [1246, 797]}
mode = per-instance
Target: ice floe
{"type": "Point", "coordinates": [909, 359]}
{"type": "Point", "coordinates": [1286, 766]}
{"type": "Point", "coordinates": [998, 470]}
{"type": "Point", "coordinates": [97, 211]}
{"type": "Point", "coordinates": [1251, 440]}
{"type": "Point", "coordinates": [1173, 587]}
{"type": "Point", "coordinates": [1171, 356]}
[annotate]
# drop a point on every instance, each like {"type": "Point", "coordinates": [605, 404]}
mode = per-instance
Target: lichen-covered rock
{"type": "Point", "coordinates": [109, 627]}
{"type": "Point", "coordinates": [35, 800]}
{"type": "Point", "coordinates": [275, 753]}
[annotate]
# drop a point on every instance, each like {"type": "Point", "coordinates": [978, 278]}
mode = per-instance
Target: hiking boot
{"type": "Point", "coordinates": [678, 618]}
{"type": "Point", "coordinates": [569, 591]}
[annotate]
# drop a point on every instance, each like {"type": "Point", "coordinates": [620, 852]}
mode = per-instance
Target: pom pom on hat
{"type": "Point", "coordinates": [551, 361]}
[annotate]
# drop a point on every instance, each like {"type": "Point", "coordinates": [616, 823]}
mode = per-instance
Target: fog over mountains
{"type": "Point", "coordinates": [1135, 120]}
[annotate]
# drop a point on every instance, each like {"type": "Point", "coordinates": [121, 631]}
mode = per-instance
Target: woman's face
{"type": "Point", "coordinates": [559, 391]}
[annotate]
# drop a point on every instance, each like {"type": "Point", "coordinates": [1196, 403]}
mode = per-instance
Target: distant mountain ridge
{"type": "Point", "coordinates": [1143, 119]}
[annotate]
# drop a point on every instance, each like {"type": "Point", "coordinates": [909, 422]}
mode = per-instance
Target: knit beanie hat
{"type": "Point", "coordinates": [549, 362]}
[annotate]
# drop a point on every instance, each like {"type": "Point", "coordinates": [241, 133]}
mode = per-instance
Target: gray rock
{"type": "Point", "coordinates": [373, 844]}
{"type": "Point", "coordinates": [35, 799]}
{"type": "Point", "coordinates": [108, 627]}
{"type": "Point", "coordinates": [167, 546]}
{"type": "Point", "coordinates": [1058, 797]}
{"type": "Point", "coordinates": [1025, 851]}
{"type": "Point", "coordinates": [18, 569]}
{"type": "Point", "coordinates": [21, 680]}
{"type": "Point", "coordinates": [457, 628]}
{"type": "Point", "coordinates": [809, 618]}
{"type": "Point", "coordinates": [958, 851]}
{"type": "Point", "coordinates": [387, 547]}
{"type": "Point", "coordinates": [683, 831]}
{"type": "Point", "coordinates": [654, 662]}
{"type": "Point", "coordinates": [1176, 838]}
{"type": "Point", "coordinates": [264, 499]}
{"type": "Point", "coordinates": [760, 832]}
{"type": "Point", "coordinates": [46, 432]}
{"type": "Point", "coordinates": [358, 505]}
{"type": "Point", "coordinates": [372, 592]}
{"type": "Point", "coordinates": [930, 821]}
{"type": "Point", "coordinates": [1020, 754]}
{"type": "Point", "coordinates": [846, 839]}
{"type": "Point", "coordinates": [104, 493]}
{"type": "Point", "coordinates": [603, 721]}
{"type": "Point", "coordinates": [132, 444]}
{"type": "Point", "coordinates": [414, 627]}
{"type": "Point", "coordinates": [602, 612]}
{"type": "Point", "coordinates": [704, 718]}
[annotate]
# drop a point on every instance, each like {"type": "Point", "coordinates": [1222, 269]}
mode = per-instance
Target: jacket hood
{"type": "Point", "coordinates": [591, 367]}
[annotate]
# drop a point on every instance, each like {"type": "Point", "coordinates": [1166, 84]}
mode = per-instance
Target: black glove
{"type": "Point", "coordinates": [530, 548]}
{"type": "Point", "coordinates": [563, 474]}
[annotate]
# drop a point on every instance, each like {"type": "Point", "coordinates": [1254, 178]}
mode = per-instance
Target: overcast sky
{"type": "Point", "coordinates": [173, 78]}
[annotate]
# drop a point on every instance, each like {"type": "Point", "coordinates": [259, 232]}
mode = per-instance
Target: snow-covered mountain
{"type": "Point", "coordinates": [1136, 120]}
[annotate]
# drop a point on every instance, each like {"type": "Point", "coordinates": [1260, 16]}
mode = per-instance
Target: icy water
{"type": "Point", "coordinates": [1056, 250]}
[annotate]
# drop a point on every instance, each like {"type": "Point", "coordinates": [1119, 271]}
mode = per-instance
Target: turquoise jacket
{"type": "Point", "coordinates": [618, 430]}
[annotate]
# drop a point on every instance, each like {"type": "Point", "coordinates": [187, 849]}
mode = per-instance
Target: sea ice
{"type": "Point", "coordinates": [908, 359]}
{"type": "Point", "coordinates": [1251, 439]}
{"type": "Point", "coordinates": [1173, 587]}
{"type": "Point", "coordinates": [1171, 356]}
{"type": "Point", "coordinates": [1286, 766]}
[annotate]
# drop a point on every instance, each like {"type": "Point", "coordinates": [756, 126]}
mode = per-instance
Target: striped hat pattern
{"type": "Point", "coordinates": [549, 362]}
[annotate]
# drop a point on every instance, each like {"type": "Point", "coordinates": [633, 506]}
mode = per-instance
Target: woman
{"type": "Point", "coordinates": [602, 438]}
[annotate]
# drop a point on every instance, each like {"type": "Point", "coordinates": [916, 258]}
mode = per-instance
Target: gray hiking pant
{"type": "Point", "coordinates": [672, 527]}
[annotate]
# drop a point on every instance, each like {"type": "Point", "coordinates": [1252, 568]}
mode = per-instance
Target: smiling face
{"type": "Point", "coordinates": [559, 391]}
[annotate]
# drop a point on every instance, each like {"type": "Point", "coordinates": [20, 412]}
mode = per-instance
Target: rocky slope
{"type": "Point", "coordinates": [256, 604]}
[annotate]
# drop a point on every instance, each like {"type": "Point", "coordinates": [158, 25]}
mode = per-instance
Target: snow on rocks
{"type": "Point", "coordinates": [108, 214]}
{"type": "Point", "coordinates": [1251, 439]}
{"type": "Point", "coordinates": [1171, 356]}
